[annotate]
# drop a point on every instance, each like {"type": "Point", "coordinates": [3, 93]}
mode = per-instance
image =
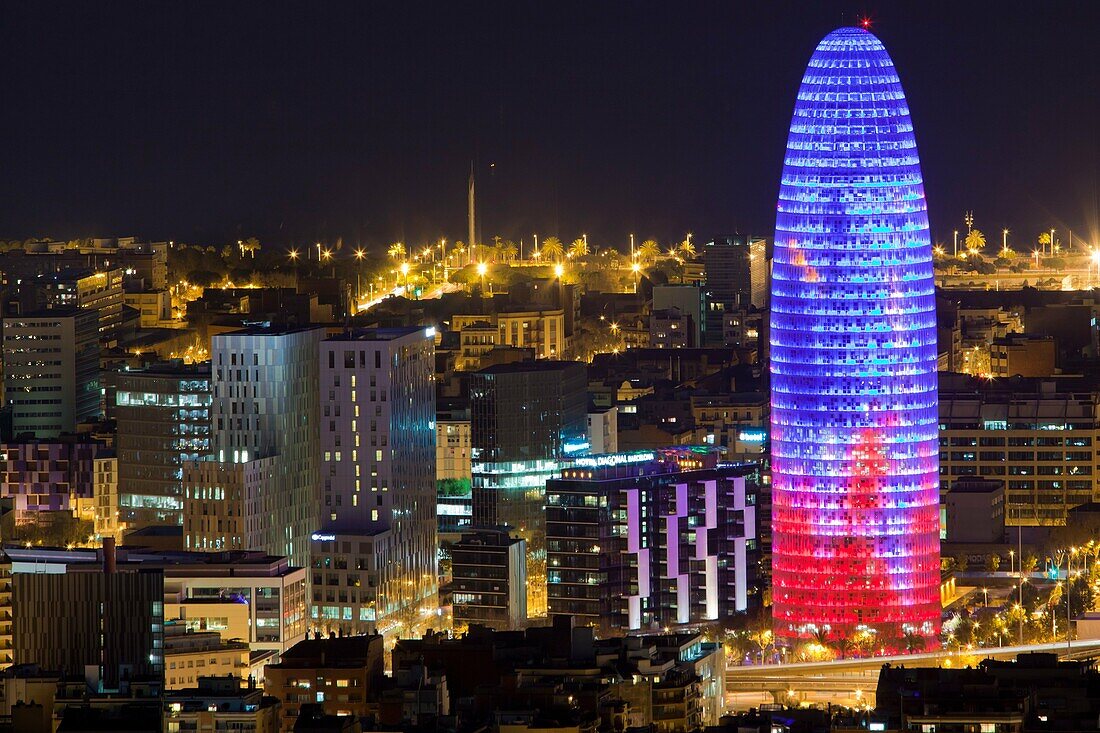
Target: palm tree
{"type": "Point", "coordinates": [552, 248]}
{"type": "Point", "coordinates": [509, 250]}
{"type": "Point", "coordinates": [578, 249]}
{"type": "Point", "coordinates": [687, 250]}
{"type": "Point", "coordinates": [649, 250]}
{"type": "Point", "coordinates": [844, 647]}
{"type": "Point", "coordinates": [975, 241]}
{"type": "Point", "coordinates": [396, 251]}
{"type": "Point", "coordinates": [913, 642]}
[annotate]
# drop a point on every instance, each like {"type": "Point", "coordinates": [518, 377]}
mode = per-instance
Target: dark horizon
{"type": "Point", "coordinates": [291, 123]}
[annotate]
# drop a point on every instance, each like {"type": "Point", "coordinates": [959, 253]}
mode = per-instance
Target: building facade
{"type": "Point", "coordinates": [736, 278]}
{"type": "Point", "coordinates": [525, 420]}
{"type": "Point", "coordinates": [1039, 436]}
{"type": "Point", "coordinates": [855, 513]}
{"type": "Point", "coordinates": [47, 476]}
{"type": "Point", "coordinates": [266, 405]}
{"type": "Point", "coordinates": [163, 418]}
{"type": "Point", "coordinates": [378, 473]}
{"type": "Point", "coordinates": [51, 370]}
{"type": "Point", "coordinates": [651, 539]}
{"type": "Point", "coordinates": [489, 580]}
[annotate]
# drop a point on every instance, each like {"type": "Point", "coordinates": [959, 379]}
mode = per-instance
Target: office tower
{"type": "Point", "coordinates": [650, 539]}
{"type": "Point", "coordinates": [265, 405]}
{"type": "Point", "coordinates": [51, 370]}
{"type": "Point", "coordinates": [107, 521]}
{"type": "Point", "coordinates": [376, 536]}
{"type": "Point", "coordinates": [89, 614]}
{"type": "Point", "coordinates": [736, 278]}
{"type": "Point", "coordinates": [489, 586]}
{"type": "Point", "coordinates": [1039, 436]}
{"type": "Point", "coordinates": [163, 418]}
{"type": "Point", "coordinates": [525, 420]}
{"type": "Point", "coordinates": [853, 360]}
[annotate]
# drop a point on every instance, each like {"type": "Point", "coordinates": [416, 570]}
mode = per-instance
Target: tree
{"type": "Point", "coordinates": [578, 249]}
{"type": "Point", "coordinates": [509, 250]}
{"type": "Point", "coordinates": [913, 642]}
{"type": "Point", "coordinates": [844, 647]}
{"type": "Point", "coordinates": [687, 250]}
{"type": "Point", "coordinates": [993, 562]}
{"type": "Point", "coordinates": [396, 251]}
{"type": "Point", "coordinates": [250, 247]}
{"type": "Point", "coordinates": [552, 248]}
{"type": "Point", "coordinates": [962, 562]}
{"type": "Point", "coordinates": [649, 250]}
{"type": "Point", "coordinates": [975, 240]}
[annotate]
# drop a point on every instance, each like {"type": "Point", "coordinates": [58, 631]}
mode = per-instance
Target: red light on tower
{"type": "Point", "coordinates": [866, 22]}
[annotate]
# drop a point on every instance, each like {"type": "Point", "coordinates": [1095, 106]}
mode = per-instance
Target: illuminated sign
{"type": "Point", "coordinates": [318, 537]}
{"type": "Point", "coordinates": [757, 435]}
{"type": "Point", "coordinates": [576, 446]}
{"type": "Point", "coordinates": [615, 459]}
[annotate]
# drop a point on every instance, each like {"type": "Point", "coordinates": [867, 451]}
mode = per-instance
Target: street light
{"type": "Point", "coordinates": [559, 270]}
{"type": "Point", "coordinates": [293, 254]}
{"type": "Point", "coordinates": [636, 268]}
{"type": "Point", "coordinates": [482, 268]}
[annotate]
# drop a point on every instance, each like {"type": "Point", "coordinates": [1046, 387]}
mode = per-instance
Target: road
{"type": "Point", "coordinates": [852, 682]}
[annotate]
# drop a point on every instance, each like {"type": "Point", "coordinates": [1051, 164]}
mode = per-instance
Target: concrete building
{"type": "Point", "coordinates": [489, 585]}
{"type": "Point", "coordinates": [265, 405]}
{"type": "Point", "coordinates": [976, 510]}
{"type": "Point", "coordinates": [689, 302]}
{"type": "Point", "coordinates": [671, 328]}
{"type": "Point", "coordinates": [378, 468]}
{"type": "Point", "coordinates": [222, 503]}
{"type": "Point", "coordinates": [96, 290]}
{"type": "Point", "coordinates": [525, 420]}
{"type": "Point", "coordinates": [452, 449]}
{"type": "Point", "coordinates": [1038, 435]}
{"type": "Point", "coordinates": [163, 418]}
{"type": "Point", "coordinates": [191, 655]}
{"type": "Point", "coordinates": [108, 515]}
{"type": "Point", "coordinates": [154, 308]}
{"type": "Point", "coordinates": [1022, 355]}
{"type": "Point", "coordinates": [218, 703]}
{"type": "Point", "coordinates": [543, 329]}
{"type": "Point", "coordinates": [343, 675]}
{"type": "Point", "coordinates": [51, 371]}
{"type": "Point", "coordinates": [48, 476]}
{"type": "Point", "coordinates": [626, 546]}
{"type": "Point", "coordinates": [603, 430]}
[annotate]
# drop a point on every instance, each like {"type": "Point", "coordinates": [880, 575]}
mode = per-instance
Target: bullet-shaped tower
{"type": "Point", "coordinates": [855, 453]}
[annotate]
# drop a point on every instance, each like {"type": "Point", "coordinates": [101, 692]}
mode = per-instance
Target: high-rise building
{"type": "Point", "coordinates": [265, 405]}
{"type": "Point", "coordinates": [650, 539]}
{"type": "Point", "coordinates": [736, 278]}
{"type": "Point", "coordinates": [163, 417]}
{"type": "Point", "coordinates": [98, 290]}
{"type": "Point", "coordinates": [51, 370]}
{"type": "Point", "coordinates": [526, 418]}
{"type": "Point", "coordinates": [854, 445]}
{"type": "Point", "coordinates": [376, 536]}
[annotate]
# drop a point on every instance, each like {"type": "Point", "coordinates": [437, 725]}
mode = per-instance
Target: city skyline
{"type": "Point", "coordinates": [330, 123]}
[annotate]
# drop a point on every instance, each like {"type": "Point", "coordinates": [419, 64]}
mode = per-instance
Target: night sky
{"type": "Point", "coordinates": [295, 122]}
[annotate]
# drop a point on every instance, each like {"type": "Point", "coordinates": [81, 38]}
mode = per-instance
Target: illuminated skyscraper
{"type": "Point", "coordinates": [853, 359]}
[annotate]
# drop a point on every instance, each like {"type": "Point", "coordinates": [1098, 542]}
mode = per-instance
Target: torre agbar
{"type": "Point", "coordinates": [855, 457]}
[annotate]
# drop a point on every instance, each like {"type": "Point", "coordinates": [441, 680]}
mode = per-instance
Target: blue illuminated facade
{"type": "Point", "coordinates": [855, 456]}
